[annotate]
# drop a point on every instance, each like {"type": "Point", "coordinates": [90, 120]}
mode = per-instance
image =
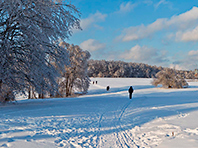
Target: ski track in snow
{"type": "Point", "coordinates": [100, 119]}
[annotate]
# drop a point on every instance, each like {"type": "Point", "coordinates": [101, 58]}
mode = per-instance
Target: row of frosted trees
{"type": "Point", "coordinates": [32, 59]}
{"type": "Point", "coordinates": [73, 78]}
{"type": "Point", "coordinates": [102, 68]}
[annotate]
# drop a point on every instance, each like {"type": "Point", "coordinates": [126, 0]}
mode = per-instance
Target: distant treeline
{"type": "Point", "coordinates": [102, 68]}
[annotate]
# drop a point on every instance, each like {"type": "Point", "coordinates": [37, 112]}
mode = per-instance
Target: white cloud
{"type": "Point", "coordinates": [92, 45]}
{"type": "Point", "coordinates": [177, 67]}
{"type": "Point", "coordinates": [193, 53]}
{"type": "Point", "coordinates": [148, 2]}
{"type": "Point", "coordinates": [163, 2]}
{"type": "Point", "coordinates": [126, 7]}
{"type": "Point", "coordinates": [187, 36]}
{"type": "Point", "coordinates": [143, 54]}
{"type": "Point", "coordinates": [188, 62]}
{"type": "Point", "coordinates": [92, 20]}
{"type": "Point", "coordinates": [180, 22]}
{"type": "Point", "coordinates": [139, 53]}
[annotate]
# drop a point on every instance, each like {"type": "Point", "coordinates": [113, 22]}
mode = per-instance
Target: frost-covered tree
{"type": "Point", "coordinates": [102, 68]}
{"type": "Point", "coordinates": [120, 69]}
{"type": "Point", "coordinates": [29, 34]}
{"type": "Point", "coordinates": [75, 78]}
{"type": "Point", "coordinates": [168, 78]}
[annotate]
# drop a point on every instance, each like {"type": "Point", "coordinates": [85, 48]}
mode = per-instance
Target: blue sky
{"type": "Point", "coordinates": [155, 32]}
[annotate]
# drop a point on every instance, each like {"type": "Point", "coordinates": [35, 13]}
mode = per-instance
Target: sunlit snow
{"type": "Point", "coordinates": [154, 117]}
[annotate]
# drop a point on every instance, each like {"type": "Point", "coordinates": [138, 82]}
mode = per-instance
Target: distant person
{"type": "Point", "coordinates": [108, 88]}
{"type": "Point", "coordinates": [93, 82]}
{"type": "Point", "coordinates": [130, 92]}
{"type": "Point", "coordinates": [96, 82]}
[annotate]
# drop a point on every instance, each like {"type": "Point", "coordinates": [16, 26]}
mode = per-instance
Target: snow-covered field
{"type": "Point", "coordinates": [155, 117]}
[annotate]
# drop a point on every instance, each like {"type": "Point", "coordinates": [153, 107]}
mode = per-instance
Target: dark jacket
{"type": "Point", "coordinates": [131, 90]}
{"type": "Point", "coordinates": [108, 88]}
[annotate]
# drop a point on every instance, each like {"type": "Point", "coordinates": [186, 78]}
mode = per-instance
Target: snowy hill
{"type": "Point", "coordinates": [155, 117]}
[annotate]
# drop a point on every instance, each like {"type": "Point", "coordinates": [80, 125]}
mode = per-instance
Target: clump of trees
{"type": "Point", "coordinates": [168, 78]}
{"type": "Point", "coordinates": [30, 32]}
{"type": "Point", "coordinates": [102, 68]}
{"type": "Point", "coordinates": [75, 77]}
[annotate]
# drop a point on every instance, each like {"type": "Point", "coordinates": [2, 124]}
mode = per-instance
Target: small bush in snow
{"type": "Point", "coordinates": [169, 79]}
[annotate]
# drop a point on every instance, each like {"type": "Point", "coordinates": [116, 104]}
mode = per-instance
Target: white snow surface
{"type": "Point", "coordinates": [154, 117]}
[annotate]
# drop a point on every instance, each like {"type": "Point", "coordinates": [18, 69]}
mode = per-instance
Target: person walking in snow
{"type": "Point", "coordinates": [130, 92]}
{"type": "Point", "coordinates": [108, 88]}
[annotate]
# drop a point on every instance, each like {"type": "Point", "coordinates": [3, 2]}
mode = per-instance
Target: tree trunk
{"type": "Point", "coordinates": [30, 93]}
{"type": "Point", "coordinates": [67, 87]}
{"type": "Point", "coordinates": [0, 85]}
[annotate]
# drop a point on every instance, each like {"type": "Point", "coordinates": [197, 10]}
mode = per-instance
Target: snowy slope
{"type": "Point", "coordinates": [155, 117]}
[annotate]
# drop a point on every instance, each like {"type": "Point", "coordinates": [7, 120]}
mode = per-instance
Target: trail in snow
{"type": "Point", "coordinates": [105, 119]}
